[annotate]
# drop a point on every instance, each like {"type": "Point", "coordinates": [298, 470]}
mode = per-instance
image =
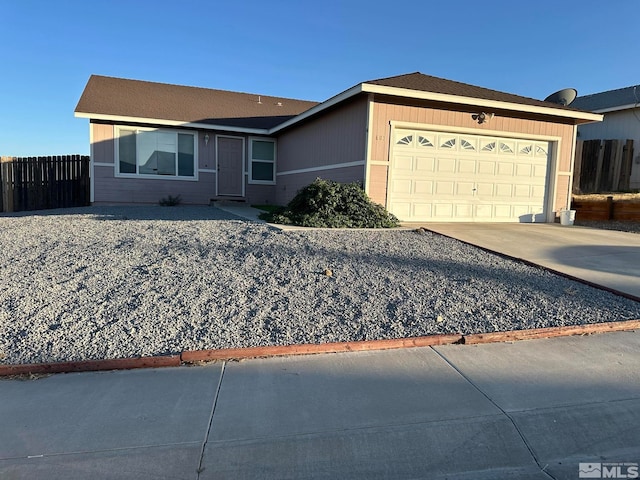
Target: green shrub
{"type": "Point", "coordinates": [325, 203]}
{"type": "Point", "coordinates": [170, 201]}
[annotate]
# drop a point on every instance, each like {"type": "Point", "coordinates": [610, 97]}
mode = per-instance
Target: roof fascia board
{"type": "Point", "coordinates": [318, 108]}
{"type": "Point", "coordinates": [617, 108]}
{"type": "Point", "coordinates": [479, 102]}
{"type": "Point", "coordinates": [171, 123]}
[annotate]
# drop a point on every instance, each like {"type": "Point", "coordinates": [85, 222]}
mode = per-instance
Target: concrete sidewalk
{"type": "Point", "coordinates": [527, 410]}
{"type": "Point", "coordinates": [604, 257]}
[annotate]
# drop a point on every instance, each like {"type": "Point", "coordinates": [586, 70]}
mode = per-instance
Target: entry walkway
{"type": "Point", "coordinates": [603, 257]}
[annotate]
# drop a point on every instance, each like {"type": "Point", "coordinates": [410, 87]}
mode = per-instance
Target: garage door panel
{"type": "Point", "coordinates": [444, 176]}
{"type": "Point", "coordinates": [443, 210]}
{"type": "Point", "coordinates": [444, 188]}
{"type": "Point", "coordinates": [538, 191]}
{"type": "Point", "coordinates": [425, 164]}
{"type": "Point", "coordinates": [502, 211]}
{"type": "Point", "coordinates": [519, 210]}
{"type": "Point", "coordinates": [465, 190]}
{"type": "Point", "coordinates": [486, 167]}
{"type": "Point", "coordinates": [403, 163]}
{"type": "Point", "coordinates": [401, 187]}
{"type": "Point", "coordinates": [504, 190]}
{"type": "Point", "coordinates": [505, 169]}
{"type": "Point", "coordinates": [423, 187]}
{"type": "Point", "coordinates": [422, 210]}
{"type": "Point", "coordinates": [539, 171]}
{"type": "Point", "coordinates": [446, 165]}
{"type": "Point", "coordinates": [464, 210]}
{"type": "Point", "coordinates": [401, 209]}
{"type": "Point", "coordinates": [484, 211]}
{"type": "Point", "coordinates": [466, 166]}
{"type": "Point", "coordinates": [524, 170]}
{"type": "Point", "coordinates": [522, 191]}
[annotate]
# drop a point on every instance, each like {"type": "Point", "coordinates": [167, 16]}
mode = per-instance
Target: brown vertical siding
{"type": "Point", "coordinates": [338, 136]}
{"type": "Point", "coordinates": [378, 183]}
{"type": "Point", "coordinates": [385, 112]}
{"type": "Point", "coordinates": [562, 193]}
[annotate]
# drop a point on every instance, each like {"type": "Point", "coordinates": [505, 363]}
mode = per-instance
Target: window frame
{"type": "Point", "coordinates": [250, 160]}
{"type": "Point", "coordinates": [176, 132]}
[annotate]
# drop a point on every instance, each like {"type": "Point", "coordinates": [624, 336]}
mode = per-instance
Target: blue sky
{"type": "Point", "coordinates": [298, 49]}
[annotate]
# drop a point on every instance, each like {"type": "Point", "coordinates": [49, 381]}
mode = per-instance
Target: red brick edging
{"type": "Point", "coordinates": [91, 365]}
{"type": "Point", "coordinates": [309, 349]}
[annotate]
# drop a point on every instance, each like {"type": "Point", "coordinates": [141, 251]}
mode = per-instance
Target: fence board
{"type": "Point", "coordinates": [34, 183]}
{"type": "Point", "coordinates": [602, 166]}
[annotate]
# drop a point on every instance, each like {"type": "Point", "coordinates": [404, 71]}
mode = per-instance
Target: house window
{"type": "Point", "coordinates": [424, 142]}
{"type": "Point", "coordinates": [156, 153]}
{"type": "Point", "coordinates": [262, 161]}
{"type": "Point", "coordinates": [405, 140]}
{"type": "Point", "coordinates": [449, 143]}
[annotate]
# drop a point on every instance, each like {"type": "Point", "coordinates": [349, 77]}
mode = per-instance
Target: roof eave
{"type": "Point", "coordinates": [617, 108]}
{"type": "Point", "coordinates": [579, 117]}
{"type": "Point", "coordinates": [582, 117]}
{"type": "Point", "coordinates": [170, 123]}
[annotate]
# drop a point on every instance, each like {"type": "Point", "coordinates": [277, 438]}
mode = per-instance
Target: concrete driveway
{"type": "Point", "coordinates": [603, 257]}
{"type": "Point", "coordinates": [527, 410]}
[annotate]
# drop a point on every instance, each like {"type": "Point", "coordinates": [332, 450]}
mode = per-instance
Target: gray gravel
{"type": "Point", "coordinates": [633, 227]}
{"type": "Point", "coordinates": [105, 282]}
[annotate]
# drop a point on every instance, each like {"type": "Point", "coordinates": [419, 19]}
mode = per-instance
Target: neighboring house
{"type": "Point", "coordinates": [621, 110]}
{"type": "Point", "coordinates": [427, 148]}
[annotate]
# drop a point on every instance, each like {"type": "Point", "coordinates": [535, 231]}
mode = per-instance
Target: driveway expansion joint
{"type": "Point", "coordinates": [503, 411]}
{"type": "Point", "coordinates": [200, 468]}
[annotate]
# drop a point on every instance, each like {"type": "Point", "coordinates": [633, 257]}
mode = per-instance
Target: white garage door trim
{"type": "Point", "coordinates": [464, 175]}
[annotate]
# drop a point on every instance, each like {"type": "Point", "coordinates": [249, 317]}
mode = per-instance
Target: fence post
{"type": "Point", "coordinates": [609, 207]}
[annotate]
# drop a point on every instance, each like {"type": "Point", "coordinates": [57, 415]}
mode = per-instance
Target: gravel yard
{"type": "Point", "coordinates": [105, 282]}
{"type": "Point", "coordinates": [633, 227]}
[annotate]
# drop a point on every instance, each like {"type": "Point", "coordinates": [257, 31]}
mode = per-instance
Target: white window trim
{"type": "Point", "coordinates": [251, 181]}
{"type": "Point", "coordinates": [172, 178]}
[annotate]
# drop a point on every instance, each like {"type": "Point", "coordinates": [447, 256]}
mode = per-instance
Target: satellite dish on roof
{"type": "Point", "coordinates": [563, 97]}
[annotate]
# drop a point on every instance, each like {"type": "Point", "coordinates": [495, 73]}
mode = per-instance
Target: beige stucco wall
{"type": "Point", "coordinates": [384, 112]}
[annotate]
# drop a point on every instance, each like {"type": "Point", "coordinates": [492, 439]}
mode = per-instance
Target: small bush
{"type": "Point", "coordinates": [325, 203]}
{"type": "Point", "coordinates": [170, 201]}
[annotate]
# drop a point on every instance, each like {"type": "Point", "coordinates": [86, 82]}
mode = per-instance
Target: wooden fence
{"type": "Point", "coordinates": [606, 210]}
{"type": "Point", "coordinates": [602, 166]}
{"type": "Point", "coordinates": [34, 183]}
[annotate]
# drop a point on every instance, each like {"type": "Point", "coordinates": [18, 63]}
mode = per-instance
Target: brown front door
{"type": "Point", "coordinates": [230, 151]}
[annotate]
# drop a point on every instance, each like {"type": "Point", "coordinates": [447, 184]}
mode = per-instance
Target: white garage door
{"type": "Point", "coordinates": [447, 177]}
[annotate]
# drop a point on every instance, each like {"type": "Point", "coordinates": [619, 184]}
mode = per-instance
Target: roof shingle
{"type": "Point", "coordinates": [427, 83]}
{"type": "Point", "coordinates": [610, 99]}
{"type": "Point", "coordinates": [161, 101]}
